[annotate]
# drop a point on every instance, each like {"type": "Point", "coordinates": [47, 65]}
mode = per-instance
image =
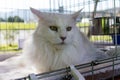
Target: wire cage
{"type": "Point", "coordinates": [17, 22]}
{"type": "Point", "coordinates": [91, 71]}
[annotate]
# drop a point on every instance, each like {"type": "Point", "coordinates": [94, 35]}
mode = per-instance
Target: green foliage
{"type": "Point", "coordinates": [18, 19]}
{"type": "Point", "coordinates": [14, 19]}
{"type": "Point", "coordinates": [106, 27]}
{"type": "Point", "coordinates": [10, 19]}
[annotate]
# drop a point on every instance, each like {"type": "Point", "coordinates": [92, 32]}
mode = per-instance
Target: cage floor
{"type": "Point", "coordinates": [6, 56]}
{"type": "Point", "coordinates": [108, 75]}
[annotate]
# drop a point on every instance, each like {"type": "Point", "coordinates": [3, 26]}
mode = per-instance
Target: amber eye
{"type": "Point", "coordinates": [54, 28]}
{"type": "Point", "coordinates": [69, 28]}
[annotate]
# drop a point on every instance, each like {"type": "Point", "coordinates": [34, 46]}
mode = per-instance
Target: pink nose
{"type": "Point", "coordinates": [62, 38]}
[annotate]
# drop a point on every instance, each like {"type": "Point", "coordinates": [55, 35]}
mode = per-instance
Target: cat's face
{"type": "Point", "coordinates": [56, 28]}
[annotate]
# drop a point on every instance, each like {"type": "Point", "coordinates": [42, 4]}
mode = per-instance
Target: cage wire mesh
{"type": "Point", "coordinates": [17, 23]}
{"type": "Point", "coordinates": [93, 68]}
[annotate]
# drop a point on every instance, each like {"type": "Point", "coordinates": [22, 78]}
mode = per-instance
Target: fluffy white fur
{"type": "Point", "coordinates": [44, 50]}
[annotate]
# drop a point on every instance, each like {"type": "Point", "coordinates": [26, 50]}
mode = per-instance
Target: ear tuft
{"type": "Point", "coordinates": [76, 14]}
{"type": "Point", "coordinates": [35, 12]}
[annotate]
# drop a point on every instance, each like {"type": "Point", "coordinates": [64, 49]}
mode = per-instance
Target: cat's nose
{"type": "Point", "coordinates": [62, 38]}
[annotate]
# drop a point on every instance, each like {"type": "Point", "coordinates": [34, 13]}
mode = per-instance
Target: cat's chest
{"type": "Point", "coordinates": [55, 57]}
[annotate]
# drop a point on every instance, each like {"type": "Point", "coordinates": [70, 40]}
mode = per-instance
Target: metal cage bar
{"type": "Point", "coordinates": [61, 6]}
{"type": "Point", "coordinates": [115, 60]}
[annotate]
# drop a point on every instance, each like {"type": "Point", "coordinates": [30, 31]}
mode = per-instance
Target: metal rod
{"type": "Point", "coordinates": [64, 70]}
{"type": "Point", "coordinates": [100, 68]}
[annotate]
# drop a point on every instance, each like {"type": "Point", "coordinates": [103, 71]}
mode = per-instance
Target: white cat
{"type": "Point", "coordinates": [56, 43]}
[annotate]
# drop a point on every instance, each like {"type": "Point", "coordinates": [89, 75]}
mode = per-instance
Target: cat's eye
{"type": "Point", "coordinates": [69, 28]}
{"type": "Point", "coordinates": [54, 28]}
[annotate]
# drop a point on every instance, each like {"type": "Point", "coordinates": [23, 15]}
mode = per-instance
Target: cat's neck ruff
{"type": "Point", "coordinates": [46, 56]}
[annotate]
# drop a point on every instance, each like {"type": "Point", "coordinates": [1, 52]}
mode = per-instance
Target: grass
{"type": "Point", "coordinates": [101, 38]}
{"type": "Point", "coordinates": [79, 24]}
{"type": "Point", "coordinates": [13, 48]}
{"type": "Point", "coordinates": [28, 26]}
{"type": "Point", "coordinates": [17, 26]}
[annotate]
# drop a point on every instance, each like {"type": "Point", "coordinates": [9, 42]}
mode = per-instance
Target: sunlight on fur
{"type": "Point", "coordinates": [56, 43]}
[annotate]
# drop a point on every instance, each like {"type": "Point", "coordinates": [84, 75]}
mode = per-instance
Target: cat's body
{"type": "Point", "coordinates": [56, 43]}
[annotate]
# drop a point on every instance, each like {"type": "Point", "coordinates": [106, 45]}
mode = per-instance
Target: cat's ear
{"type": "Point", "coordinates": [76, 14]}
{"type": "Point", "coordinates": [36, 12]}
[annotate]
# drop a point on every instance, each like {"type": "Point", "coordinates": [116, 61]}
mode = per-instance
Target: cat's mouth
{"type": "Point", "coordinates": [62, 43]}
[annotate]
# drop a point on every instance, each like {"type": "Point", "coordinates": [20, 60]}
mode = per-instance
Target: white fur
{"type": "Point", "coordinates": [43, 51]}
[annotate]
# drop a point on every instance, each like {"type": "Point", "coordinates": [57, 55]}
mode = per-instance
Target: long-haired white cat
{"type": "Point", "coordinates": [56, 43]}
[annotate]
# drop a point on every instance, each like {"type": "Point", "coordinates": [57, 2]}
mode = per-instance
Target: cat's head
{"type": "Point", "coordinates": [56, 28]}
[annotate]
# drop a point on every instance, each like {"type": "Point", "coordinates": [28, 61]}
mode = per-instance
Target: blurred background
{"type": "Point", "coordinates": [99, 20]}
